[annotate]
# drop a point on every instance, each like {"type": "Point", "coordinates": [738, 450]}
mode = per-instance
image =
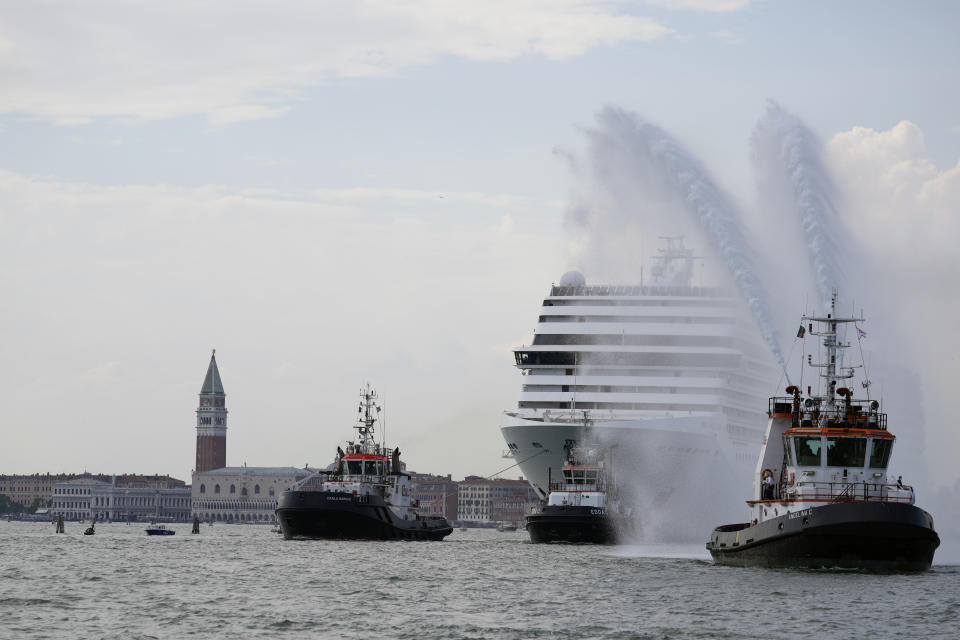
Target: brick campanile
{"type": "Point", "coordinates": [212, 421]}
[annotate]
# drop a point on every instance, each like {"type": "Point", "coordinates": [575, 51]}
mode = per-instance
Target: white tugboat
{"type": "Point", "coordinates": [364, 495]}
{"type": "Point", "coordinates": [822, 495]}
{"type": "Point", "coordinates": [578, 509]}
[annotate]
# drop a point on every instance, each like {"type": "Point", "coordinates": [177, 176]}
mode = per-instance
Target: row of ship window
{"type": "Point", "coordinates": [632, 340]}
{"type": "Point", "coordinates": [650, 319]}
{"type": "Point", "coordinates": [696, 361]}
{"type": "Point", "coordinates": [624, 406]}
{"type": "Point", "coordinates": [604, 388]}
{"type": "Point", "coordinates": [635, 291]}
{"type": "Point", "coordinates": [233, 489]}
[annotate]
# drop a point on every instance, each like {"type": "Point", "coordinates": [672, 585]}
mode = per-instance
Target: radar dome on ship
{"type": "Point", "coordinates": [572, 279]}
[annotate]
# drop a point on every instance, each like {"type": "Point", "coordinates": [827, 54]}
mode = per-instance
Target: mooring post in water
{"type": "Point", "coordinates": [60, 524]}
{"type": "Point", "coordinates": [196, 524]}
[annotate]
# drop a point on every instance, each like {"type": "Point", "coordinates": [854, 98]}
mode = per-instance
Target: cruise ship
{"type": "Point", "coordinates": [669, 374]}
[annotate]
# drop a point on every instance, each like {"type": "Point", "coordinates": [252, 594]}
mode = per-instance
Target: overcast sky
{"type": "Point", "coordinates": [338, 192]}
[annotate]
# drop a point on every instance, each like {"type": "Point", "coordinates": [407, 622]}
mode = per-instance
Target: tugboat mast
{"type": "Point", "coordinates": [833, 347]}
{"type": "Point", "coordinates": [365, 424]}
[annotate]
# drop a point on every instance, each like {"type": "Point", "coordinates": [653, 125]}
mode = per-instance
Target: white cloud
{"type": "Point", "coordinates": [222, 116]}
{"type": "Point", "coordinates": [896, 195]}
{"type": "Point", "coordinates": [726, 36]}
{"type": "Point", "coordinates": [120, 293]}
{"type": "Point", "coordinates": [72, 62]}
{"type": "Point", "coordinates": [713, 6]}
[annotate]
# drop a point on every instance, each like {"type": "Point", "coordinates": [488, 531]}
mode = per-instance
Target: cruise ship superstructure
{"type": "Point", "coordinates": [671, 374]}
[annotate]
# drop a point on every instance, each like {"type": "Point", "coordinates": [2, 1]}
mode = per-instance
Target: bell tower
{"type": "Point", "coordinates": [212, 421]}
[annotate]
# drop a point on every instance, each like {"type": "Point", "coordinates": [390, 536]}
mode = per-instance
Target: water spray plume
{"type": "Point", "coordinates": [783, 144]}
{"type": "Point", "coordinates": [651, 147]}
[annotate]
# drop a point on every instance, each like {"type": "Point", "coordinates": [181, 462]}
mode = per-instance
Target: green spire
{"type": "Point", "coordinates": [212, 383]}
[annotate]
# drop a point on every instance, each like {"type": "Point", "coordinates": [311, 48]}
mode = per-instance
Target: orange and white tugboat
{"type": "Point", "coordinates": [578, 509]}
{"type": "Point", "coordinates": [822, 495]}
{"type": "Point", "coordinates": [364, 495]}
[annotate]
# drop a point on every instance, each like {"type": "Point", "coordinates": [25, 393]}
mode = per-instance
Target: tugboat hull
{"type": "Point", "coordinates": [571, 524]}
{"type": "Point", "coordinates": [331, 515]}
{"type": "Point", "coordinates": [859, 535]}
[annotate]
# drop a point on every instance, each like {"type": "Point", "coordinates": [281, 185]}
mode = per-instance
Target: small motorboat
{"type": "Point", "coordinates": [159, 530]}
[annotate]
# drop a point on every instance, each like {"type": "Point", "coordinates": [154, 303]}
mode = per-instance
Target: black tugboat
{"type": "Point", "coordinates": [363, 495]}
{"type": "Point", "coordinates": [822, 495]}
{"type": "Point", "coordinates": [577, 509]}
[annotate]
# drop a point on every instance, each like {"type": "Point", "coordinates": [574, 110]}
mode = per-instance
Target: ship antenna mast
{"type": "Point", "coordinates": [832, 346]}
{"type": "Point", "coordinates": [365, 424]}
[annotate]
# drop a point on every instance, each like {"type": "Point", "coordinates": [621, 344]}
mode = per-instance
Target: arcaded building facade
{"type": "Point", "coordinates": [85, 498]}
{"type": "Point", "coordinates": [242, 494]}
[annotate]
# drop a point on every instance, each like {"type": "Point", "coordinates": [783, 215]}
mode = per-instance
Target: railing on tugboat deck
{"type": "Point", "coordinates": [842, 492]}
{"type": "Point", "coordinates": [315, 481]}
{"type": "Point", "coordinates": [565, 486]}
{"type": "Point", "coordinates": [859, 414]}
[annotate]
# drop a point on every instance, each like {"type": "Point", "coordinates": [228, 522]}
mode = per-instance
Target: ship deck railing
{"type": "Point", "coordinates": [841, 492]}
{"type": "Point", "coordinates": [635, 290]}
{"type": "Point", "coordinates": [317, 480]}
{"type": "Point", "coordinates": [583, 486]}
{"type": "Point", "coordinates": [858, 415]}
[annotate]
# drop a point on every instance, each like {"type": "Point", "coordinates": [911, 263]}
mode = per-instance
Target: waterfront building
{"type": "Point", "coordinates": [28, 489]}
{"type": "Point", "coordinates": [38, 488]}
{"type": "Point", "coordinates": [485, 500]}
{"type": "Point", "coordinates": [122, 498]}
{"type": "Point", "coordinates": [242, 494]}
{"type": "Point", "coordinates": [71, 499]}
{"type": "Point", "coordinates": [434, 495]}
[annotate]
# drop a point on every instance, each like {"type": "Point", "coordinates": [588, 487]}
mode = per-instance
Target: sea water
{"type": "Point", "coordinates": [245, 581]}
